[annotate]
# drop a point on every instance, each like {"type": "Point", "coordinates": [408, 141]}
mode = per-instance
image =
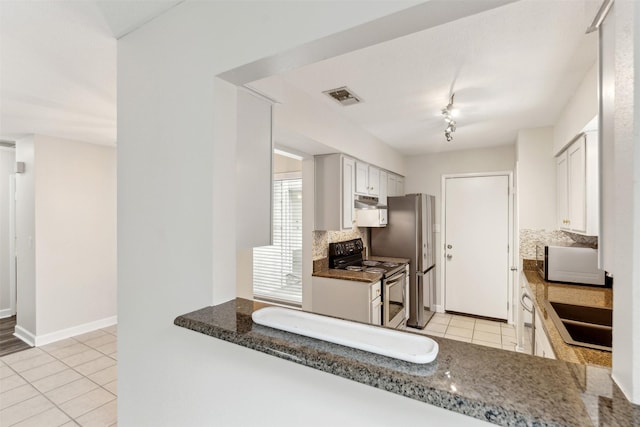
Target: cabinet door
{"type": "Point", "coordinates": [382, 195]}
{"type": "Point", "coordinates": [348, 179]}
{"type": "Point", "coordinates": [577, 186]}
{"type": "Point", "coordinates": [391, 185]}
{"type": "Point", "coordinates": [400, 186]}
{"type": "Point", "coordinates": [562, 191]}
{"type": "Point", "coordinates": [374, 181]}
{"type": "Point", "coordinates": [543, 345]}
{"type": "Point", "coordinates": [376, 311]}
{"type": "Point", "coordinates": [362, 176]}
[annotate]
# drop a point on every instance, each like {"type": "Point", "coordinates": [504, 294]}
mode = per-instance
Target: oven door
{"type": "Point", "coordinates": [395, 300]}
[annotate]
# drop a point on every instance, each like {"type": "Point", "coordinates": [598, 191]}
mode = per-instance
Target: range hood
{"type": "Point", "coordinates": [367, 202]}
{"type": "Point", "coordinates": [369, 212]}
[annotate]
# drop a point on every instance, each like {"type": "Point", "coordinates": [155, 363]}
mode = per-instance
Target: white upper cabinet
{"type": "Point", "coordinates": [400, 186]}
{"type": "Point", "coordinates": [395, 185]}
{"type": "Point", "coordinates": [577, 186]}
{"type": "Point", "coordinates": [362, 178]}
{"type": "Point", "coordinates": [367, 179]}
{"type": "Point", "coordinates": [382, 195]}
{"type": "Point", "coordinates": [562, 182]}
{"type": "Point", "coordinates": [348, 184]}
{"type": "Point", "coordinates": [374, 181]}
{"type": "Point", "coordinates": [339, 179]}
{"type": "Point", "coordinates": [334, 192]}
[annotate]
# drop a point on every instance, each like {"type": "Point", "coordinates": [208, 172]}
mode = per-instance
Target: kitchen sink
{"type": "Point", "coordinates": [582, 325]}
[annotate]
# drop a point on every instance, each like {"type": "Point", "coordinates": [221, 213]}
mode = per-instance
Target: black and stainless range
{"type": "Point", "coordinates": [347, 255]}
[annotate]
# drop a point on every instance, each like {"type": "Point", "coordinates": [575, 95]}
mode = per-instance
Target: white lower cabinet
{"type": "Point", "coordinates": [376, 311]}
{"type": "Point", "coordinates": [347, 299]}
{"type": "Point", "coordinates": [542, 344]}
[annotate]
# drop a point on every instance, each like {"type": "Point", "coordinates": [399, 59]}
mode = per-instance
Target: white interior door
{"type": "Point", "coordinates": [477, 245]}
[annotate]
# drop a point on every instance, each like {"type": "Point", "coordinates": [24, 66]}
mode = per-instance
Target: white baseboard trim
{"type": "Point", "coordinates": [75, 330]}
{"type": "Point", "coordinates": [6, 312]}
{"type": "Point", "coordinates": [438, 308]}
{"type": "Point", "coordinates": [24, 335]}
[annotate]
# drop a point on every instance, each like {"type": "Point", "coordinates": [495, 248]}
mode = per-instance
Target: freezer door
{"type": "Point", "coordinates": [416, 296]}
{"type": "Point", "coordinates": [420, 296]}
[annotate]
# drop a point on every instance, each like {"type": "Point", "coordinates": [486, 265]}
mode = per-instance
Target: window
{"type": "Point", "coordinates": [277, 269]}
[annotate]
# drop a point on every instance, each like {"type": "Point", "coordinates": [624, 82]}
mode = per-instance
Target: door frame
{"type": "Point", "coordinates": [13, 261]}
{"type": "Point", "coordinates": [510, 239]}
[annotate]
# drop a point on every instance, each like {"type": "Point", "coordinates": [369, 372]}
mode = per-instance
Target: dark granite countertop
{"type": "Point", "coordinates": [502, 387]}
{"type": "Point", "coordinates": [356, 276]}
{"type": "Point", "coordinates": [542, 291]}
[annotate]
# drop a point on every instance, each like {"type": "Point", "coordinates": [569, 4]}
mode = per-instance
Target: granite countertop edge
{"type": "Point", "coordinates": [363, 367]}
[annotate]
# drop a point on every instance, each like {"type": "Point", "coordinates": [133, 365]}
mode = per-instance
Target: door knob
{"type": "Point", "coordinates": [449, 256]}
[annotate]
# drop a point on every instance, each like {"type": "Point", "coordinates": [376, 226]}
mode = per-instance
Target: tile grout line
{"type": "Point", "coordinates": [98, 386]}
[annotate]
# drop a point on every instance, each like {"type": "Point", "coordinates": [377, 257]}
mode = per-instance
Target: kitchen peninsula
{"type": "Point", "coordinates": [502, 387]}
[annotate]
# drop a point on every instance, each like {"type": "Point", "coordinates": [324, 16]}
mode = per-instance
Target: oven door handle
{"type": "Point", "coordinates": [392, 282]}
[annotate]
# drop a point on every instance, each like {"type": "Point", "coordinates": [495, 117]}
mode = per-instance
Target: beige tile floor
{"type": "Point", "coordinates": [66, 383]}
{"type": "Point", "coordinates": [476, 331]}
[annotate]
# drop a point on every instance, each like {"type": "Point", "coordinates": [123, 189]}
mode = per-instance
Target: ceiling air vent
{"type": "Point", "coordinates": [343, 95]}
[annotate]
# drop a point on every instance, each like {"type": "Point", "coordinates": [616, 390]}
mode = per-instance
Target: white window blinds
{"type": "Point", "coordinates": [277, 269]}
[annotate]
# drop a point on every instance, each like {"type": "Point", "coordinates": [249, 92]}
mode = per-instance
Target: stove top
{"type": "Point", "coordinates": [348, 256]}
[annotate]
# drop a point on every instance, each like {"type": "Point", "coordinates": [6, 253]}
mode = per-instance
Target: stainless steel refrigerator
{"type": "Point", "coordinates": [410, 234]}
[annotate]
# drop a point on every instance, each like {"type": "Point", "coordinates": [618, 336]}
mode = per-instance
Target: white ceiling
{"type": "Point", "coordinates": [58, 65]}
{"type": "Point", "coordinates": [513, 67]}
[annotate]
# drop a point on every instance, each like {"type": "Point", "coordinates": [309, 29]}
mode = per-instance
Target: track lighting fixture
{"type": "Point", "coordinates": [449, 112]}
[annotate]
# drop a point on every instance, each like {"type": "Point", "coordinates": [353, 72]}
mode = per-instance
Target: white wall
{"type": "Point", "coordinates": [172, 170]}
{"type": "Point", "coordinates": [626, 199]}
{"type": "Point", "coordinates": [75, 234]}
{"type": "Point", "coordinates": [536, 179]}
{"type": "Point", "coordinates": [581, 108]}
{"type": "Point", "coordinates": [7, 164]}
{"type": "Point", "coordinates": [424, 175]}
{"type": "Point", "coordinates": [66, 233]}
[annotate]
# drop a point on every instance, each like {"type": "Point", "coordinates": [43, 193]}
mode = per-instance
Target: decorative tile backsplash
{"type": "Point", "coordinates": [529, 238]}
{"type": "Point", "coordinates": [321, 240]}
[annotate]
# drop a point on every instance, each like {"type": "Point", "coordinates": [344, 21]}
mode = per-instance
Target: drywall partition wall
{"type": "Point", "coordinates": [254, 171]}
{"type": "Point", "coordinates": [7, 164]}
{"type": "Point", "coordinates": [626, 198]}
{"type": "Point", "coordinates": [25, 241]}
{"type": "Point", "coordinates": [171, 170]}
{"type": "Point", "coordinates": [536, 179]}
{"type": "Point", "coordinates": [424, 175]}
{"type": "Point", "coordinates": [75, 220]}
{"type": "Point", "coordinates": [580, 110]}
